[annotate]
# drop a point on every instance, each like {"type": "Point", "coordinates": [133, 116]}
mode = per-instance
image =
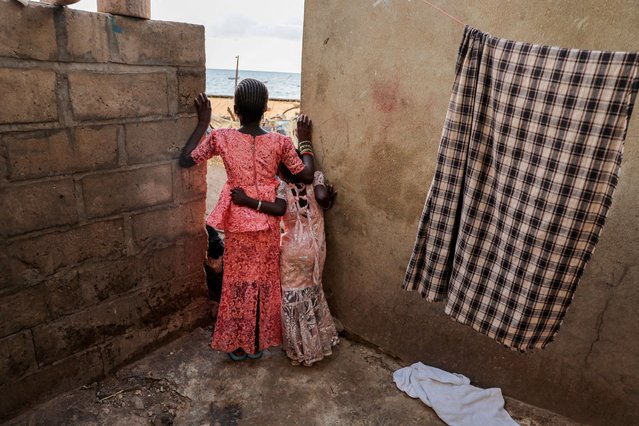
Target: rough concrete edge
{"type": "Point", "coordinates": [142, 353]}
{"type": "Point", "coordinates": [521, 411]}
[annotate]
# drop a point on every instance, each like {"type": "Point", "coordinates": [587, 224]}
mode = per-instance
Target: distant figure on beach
{"type": "Point", "coordinates": [309, 331]}
{"type": "Point", "coordinates": [249, 315]}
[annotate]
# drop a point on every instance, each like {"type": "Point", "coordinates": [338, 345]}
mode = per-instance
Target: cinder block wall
{"type": "Point", "coordinates": [102, 239]}
{"type": "Point", "coordinates": [376, 80]}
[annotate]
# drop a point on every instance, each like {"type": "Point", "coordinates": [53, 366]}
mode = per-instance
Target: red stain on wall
{"type": "Point", "coordinates": [385, 95]}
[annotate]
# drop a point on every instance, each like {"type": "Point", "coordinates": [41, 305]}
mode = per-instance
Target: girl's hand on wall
{"type": "Point", "coordinates": [304, 128]}
{"type": "Point", "coordinates": [325, 195]}
{"type": "Point", "coordinates": [203, 107]}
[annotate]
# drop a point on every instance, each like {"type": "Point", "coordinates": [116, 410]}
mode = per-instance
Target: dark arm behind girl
{"type": "Point", "coordinates": [276, 208]}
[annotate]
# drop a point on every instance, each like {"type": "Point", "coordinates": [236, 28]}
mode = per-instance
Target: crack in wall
{"type": "Point", "coordinates": [601, 316]}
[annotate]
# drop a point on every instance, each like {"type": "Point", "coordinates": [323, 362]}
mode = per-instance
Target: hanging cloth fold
{"type": "Point", "coordinates": [527, 165]}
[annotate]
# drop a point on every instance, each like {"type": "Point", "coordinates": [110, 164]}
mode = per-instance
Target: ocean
{"type": "Point", "coordinates": [281, 85]}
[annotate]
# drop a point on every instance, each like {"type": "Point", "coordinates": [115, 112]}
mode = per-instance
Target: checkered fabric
{"type": "Point", "coordinates": [527, 166]}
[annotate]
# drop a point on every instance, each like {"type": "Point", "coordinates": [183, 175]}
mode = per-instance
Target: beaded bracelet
{"type": "Point", "coordinates": [306, 149]}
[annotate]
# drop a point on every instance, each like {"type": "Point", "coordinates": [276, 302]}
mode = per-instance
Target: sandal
{"type": "Point", "coordinates": [238, 357]}
{"type": "Point", "coordinates": [256, 355]}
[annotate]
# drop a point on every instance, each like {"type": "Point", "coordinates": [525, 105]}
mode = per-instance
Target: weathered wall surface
{"type": "Point", "coordinates": [101, 232]}
{"type": "Point", "coordinates": [377, 77]}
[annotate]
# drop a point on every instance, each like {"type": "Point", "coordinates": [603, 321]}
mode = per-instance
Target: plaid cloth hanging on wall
{"type": "Point", "coordinates": [527, 166]}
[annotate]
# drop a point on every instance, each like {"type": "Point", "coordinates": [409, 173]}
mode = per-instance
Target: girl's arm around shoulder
{"type": "Point", "coordinates": [324, 194]}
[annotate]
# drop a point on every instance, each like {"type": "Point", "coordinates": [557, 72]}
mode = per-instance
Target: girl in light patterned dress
{"type": "Point", "coordinates": [309, 333]}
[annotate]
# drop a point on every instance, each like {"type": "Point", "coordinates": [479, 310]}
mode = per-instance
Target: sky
{"type": "Point", "coordinates": [267, 35]}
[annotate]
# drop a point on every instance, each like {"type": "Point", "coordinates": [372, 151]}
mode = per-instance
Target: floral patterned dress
{"type": "Point", "coordinates": [309, 331]}
{"type": "Point", "coordinates": [249, 315]}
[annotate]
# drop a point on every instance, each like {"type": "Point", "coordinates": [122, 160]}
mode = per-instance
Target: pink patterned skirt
{"type": "Point", "coordinates": [251, 282]}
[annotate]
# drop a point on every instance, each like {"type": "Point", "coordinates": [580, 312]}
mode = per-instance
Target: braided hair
{"type": "Point", "coordinates": [251, 97]}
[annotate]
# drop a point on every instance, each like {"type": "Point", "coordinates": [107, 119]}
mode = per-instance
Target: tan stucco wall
{"type": "Point", "coordinates": [376, 81]}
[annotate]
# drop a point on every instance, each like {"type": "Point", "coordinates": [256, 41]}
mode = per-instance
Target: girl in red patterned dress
{"type": "Point", "coordinates": [249, 317]}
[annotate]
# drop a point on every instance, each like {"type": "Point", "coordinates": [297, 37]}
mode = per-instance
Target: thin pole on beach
{"type": "Point", "coordinates": [237, 67]}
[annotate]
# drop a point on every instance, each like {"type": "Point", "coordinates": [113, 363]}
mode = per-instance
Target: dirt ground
{"type": "Point", "coordinates": [186, 383]}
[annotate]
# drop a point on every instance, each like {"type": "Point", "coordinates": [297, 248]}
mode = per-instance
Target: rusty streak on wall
{"type": "Point", "coordinates": [376, 81]}
{"type": "Point", "coordinates": [102, 242]}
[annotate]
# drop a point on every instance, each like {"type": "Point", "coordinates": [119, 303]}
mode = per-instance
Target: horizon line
{"type": "Point", "coordinates": [247, 70]}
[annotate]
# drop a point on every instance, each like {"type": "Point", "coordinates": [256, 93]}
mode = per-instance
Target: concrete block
{"type": "Point", "coordinates": [33, 260]}
{"type": "Point", "coordinates": [38, 154]}
{"type": "Point", "coordinates": [21, 310]}
{"type": "Point", "coordinates": [135, 8]}
{"type": "Point", "coordinates": [27, 32]}
{"type": "Point", "coordinates": [41, 154]}
{"type": "Point", "coordinates": [198, 314]}
{"type": "Point", "coordinates": [105, 280]}
{"type": "Point", "coordinates": [33, 96]}
{"type": "Point", "coordinates": [5, 269]}
{"type": "Point", "coordinates": [158, 140]}
{"type": "Point", "coordinates": [55, 2]}
{"type": "Point", "coordinates": [96, 148]}
{"type": "Point", "coordinates": [190, 83]}
{"type": "Point", "coordinates": [157, 42]}
{"type": "Point", "coordinates": [169, 224]}
{"type": "Point", "coordinates": [191, 182]}
{"type": "Point", "coordinates": [98, 95]}
{"type": "Point", "coordinates": [187, 256]}
{"type": "Point", "coordinates": [63, 294]}
{"type": "Point", "coordinates": [18, 357]}
{"type": "Point", "coordinates": [120, 349]}
{"type": "Point", "coordinates": [37, 206]}
{"type": "Point", "coordinates": [4, 166]}
{"type": "Point", "coordinates": [71, 334]}
{"type": "Point", "coordinates": [87, 36]}
{"type": "Point", "coordinates": [172, 297]}
{"type": "Point", "coordinates": [109, 193]}
{"type": "Point", "coordinates": [46, 382]}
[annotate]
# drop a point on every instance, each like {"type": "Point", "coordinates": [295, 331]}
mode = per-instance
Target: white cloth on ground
{"type": "Point", "coordinates": [452, 396]}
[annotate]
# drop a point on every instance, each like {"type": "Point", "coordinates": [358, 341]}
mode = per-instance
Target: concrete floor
{"type": "Point", "coordinates": [186, 383]}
